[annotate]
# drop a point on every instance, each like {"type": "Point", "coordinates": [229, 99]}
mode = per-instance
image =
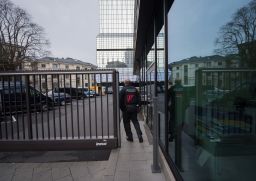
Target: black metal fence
{"type": "Point", "coordinates": [43, 110]}
{"type": "Point", "coordinates": [225, 103]}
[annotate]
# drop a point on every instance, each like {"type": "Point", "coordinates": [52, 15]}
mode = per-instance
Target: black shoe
{"type": "Point", "coordinates": [129, 139]}
{"type": "Point", "coordinates": [140, 139]}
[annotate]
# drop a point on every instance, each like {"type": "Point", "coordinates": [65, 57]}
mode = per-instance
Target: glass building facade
{"type": "Point", "coordinates": [206, 95]}
{"type": "Point", "coordinates": [115, 40]}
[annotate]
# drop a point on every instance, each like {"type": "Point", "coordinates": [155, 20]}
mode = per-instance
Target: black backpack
{"type": "Point", "coordinates": [131, 99]}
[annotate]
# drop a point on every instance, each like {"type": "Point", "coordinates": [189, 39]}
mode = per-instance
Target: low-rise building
{"type": "Point", "coordinates": [185, 69]}
{"type": "Point", "coordinates": [48, 82]}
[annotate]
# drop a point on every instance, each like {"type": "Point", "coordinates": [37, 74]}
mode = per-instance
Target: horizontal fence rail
{"type": "Point", "coordinates": [225, 103]}
{"type": "Point", "coordinates": [58, 106]}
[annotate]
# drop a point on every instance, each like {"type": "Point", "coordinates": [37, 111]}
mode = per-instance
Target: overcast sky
{"type": "Point", "coordinates": [194, 26]}
{"type": "Point", "coordinates": [70, 25]}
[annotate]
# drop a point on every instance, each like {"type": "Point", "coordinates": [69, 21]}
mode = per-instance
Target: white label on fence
{"type": "Point", "coordinates": [102, 143]}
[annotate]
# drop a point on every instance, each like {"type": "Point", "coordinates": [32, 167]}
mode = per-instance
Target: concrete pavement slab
{"type": "Point", "coordinates": [131, 162]}
{"type": "Point", "coordinates": [58, 173]}
{"type": "Point", "coordinates": [42, 174]}
{"type": "Point", "coordinates": [23, 174]}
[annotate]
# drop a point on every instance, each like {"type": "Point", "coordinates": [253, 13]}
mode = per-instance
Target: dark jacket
{"type": "Point", "coordinates": [122, 96]}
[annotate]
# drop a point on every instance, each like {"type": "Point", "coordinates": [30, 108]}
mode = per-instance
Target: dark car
{"type": "Point", "coordinates": [89, 93]}
{"type": "Point", "coordinates": [75, 93]}
{"type": "Point", "coordinates": [59, 98]}
{"type": "Point", "coordinates": [17, 97]}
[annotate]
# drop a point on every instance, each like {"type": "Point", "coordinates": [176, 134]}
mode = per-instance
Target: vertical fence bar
{"type": "Point", "coordinates": [95, 106]}
{"type": "Point", "coordinates": [71, 93]}
{"type": "Point", "coordinates": [10, 106]}
{"type": "Point", "coordinates": [22, 111]}
{"type": "Point", "coordinates": [29, 123]}
{"type": "Point", "coordinates": [90, 120]}
{"type": "Point", "coordinates": [107, 105]}
{"type": "Point", "coordinates": [77, 108]}
{"type": "Point", "coordinates": [229, 115]}
{"type": "Point", "coordinates": [211, 109]}
{"type": "Point", "coordinates": [59, 104]}
{"type": "Point", "coordinates": [147, 95]}
{"type": "Point", "coordinates": [118, 111]}
{"type": "Point", "coordinates": [179, 94]}
{"type": "Point", "coordinates": [53, 103]}
{"type": "Point", "coordinates": [35, 104]}
{"type": "Point", "coordinates": [16, 110]}
{"type": "Point", "coordinates": [101, 106]}
{"type": "Point", "coordinates": [83, 106]}
{"type": "Point", "coordinates": [198, 110]}
{"type": "Point", "coordinates": [114, 87]}
{"type": "Point", "coordinates": [4, 108]}
{"type": "Point", "coordinates": [47, 103]}
{"type": "Point", "coordinates": [247, 120]}
{"type": "Point", "coordinates": [241, 111]}
{"type": "Point", "coordinates": [40, 98]}
{"type": "Point", "coordinates": [66, 119]}
{"type": "Point", "coordinates": [238, 108]}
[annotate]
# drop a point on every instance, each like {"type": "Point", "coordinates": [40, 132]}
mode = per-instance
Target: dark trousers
{"type": "Point", "coordinates": [127, 116]}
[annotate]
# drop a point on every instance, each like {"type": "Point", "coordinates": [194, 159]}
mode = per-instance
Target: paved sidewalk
{"type": "Point", "coordinates": [132, 162]}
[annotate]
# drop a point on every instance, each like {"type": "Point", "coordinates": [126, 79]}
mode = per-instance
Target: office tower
{"type": "Point", "coordinates": [115, 40]}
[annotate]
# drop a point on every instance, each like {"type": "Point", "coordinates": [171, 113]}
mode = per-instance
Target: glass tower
{"type": "Point", "coordinates": [115, 40]}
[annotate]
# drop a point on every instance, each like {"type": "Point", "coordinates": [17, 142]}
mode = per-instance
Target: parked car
{"type": "Point", "coordinates": [75, 93]}
{"type": "Point", "coordinates": [89, 93]}
{"type": "Point", "coordinates": [59, 98]}
{"type": "Point", "coordinates": [15, 98]}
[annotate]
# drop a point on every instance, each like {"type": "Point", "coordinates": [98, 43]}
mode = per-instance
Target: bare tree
{"type": "Point", "coordinates": [239, 35]}
{"type": "Point", "coordinates": [20, 38]}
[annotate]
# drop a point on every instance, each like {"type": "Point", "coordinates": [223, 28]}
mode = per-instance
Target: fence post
{"type": "Point", "coordinates": [155, 166]}
{"type": "Point", "coordinates": [30, 134]}
{"type": "Point", "coordinates": [118, 111]}
{"type": "Point", "coordinates": [178, 119]}
{"type": "Point", "coordinates": [199, 88]}
{"type": "Point", "coordinates": [115, 84]}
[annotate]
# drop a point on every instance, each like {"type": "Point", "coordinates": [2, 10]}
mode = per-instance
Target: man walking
{"type": "Point", "coordinates": [130, 104]}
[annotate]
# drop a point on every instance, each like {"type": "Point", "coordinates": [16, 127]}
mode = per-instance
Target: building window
{"type": "Point", "coordinates": [77, 68]}
{"type": "Point", "coordinates": [44, 85]}
{"type": "Point", "coordinates": [219, 63]}
{"type": "Point", "coordinates": [67, 84]}
{"type": "Point", "coordinates": [196, 65]}
{"type": "Point", "coordinates": [55, 66]}
{"type": "Point", "coordinates": [55, 85]}
{"type": "Point", "coordinates": [177, 68]}
{"type": "Point", "coordinates": [43, 65]}
{"type": "Point", "coordinates": [177, 75]}
{"type": "Point", "coordinates": [78, 81]}
{"type": "Point", "coordinates": [67, 67]}
{"type": "Point", "coordinates": [208, 64]}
